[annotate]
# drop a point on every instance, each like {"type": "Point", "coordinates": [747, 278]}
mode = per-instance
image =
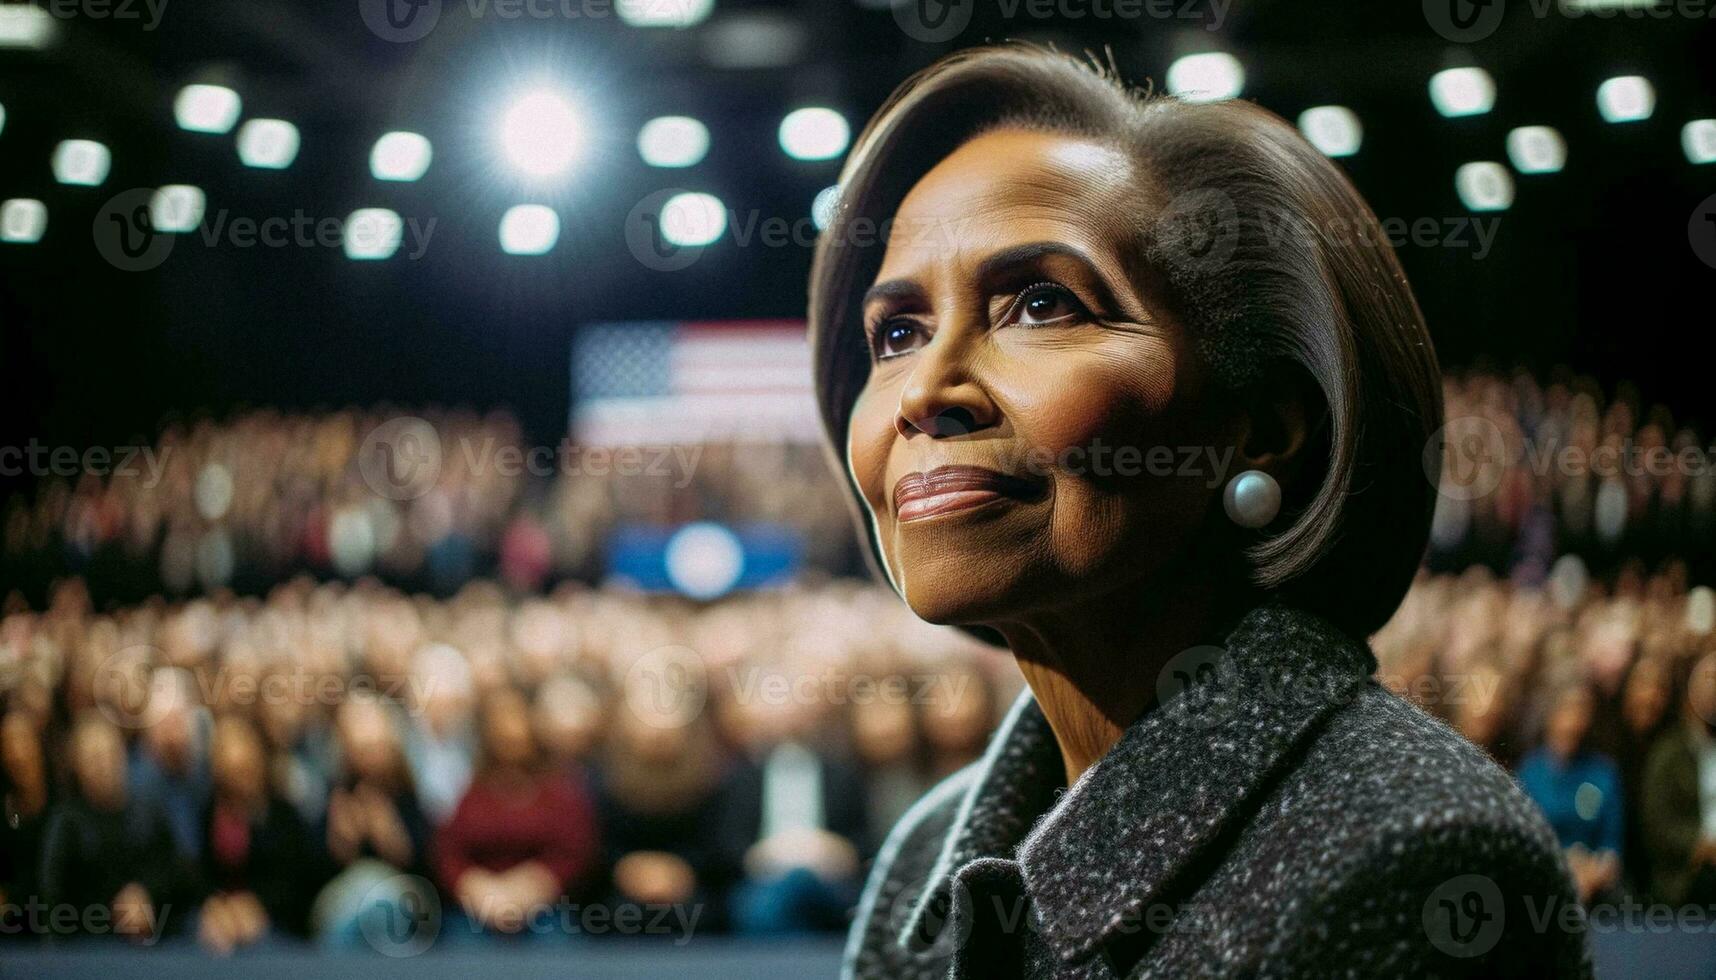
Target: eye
{"type": "Point", "coordinates": [897, 336]}
{"type": "Point", "coordinates": [1045, 303]}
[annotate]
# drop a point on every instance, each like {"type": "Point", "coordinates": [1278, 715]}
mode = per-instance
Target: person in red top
{"type": "Point", "coordinates": [521, 838]}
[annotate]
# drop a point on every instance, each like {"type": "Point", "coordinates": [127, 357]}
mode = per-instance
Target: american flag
{"type": "Point", "coordinates": [655, 382]}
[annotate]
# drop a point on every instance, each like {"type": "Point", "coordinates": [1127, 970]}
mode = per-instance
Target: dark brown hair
{"type": "Point", "coordinates": [1248, 235]}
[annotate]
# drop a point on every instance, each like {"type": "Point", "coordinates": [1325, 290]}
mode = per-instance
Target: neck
{"type": "Point", "coordinates": [1094, 667]}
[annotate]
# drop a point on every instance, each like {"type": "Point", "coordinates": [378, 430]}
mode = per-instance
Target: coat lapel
{"type": "Point", "coordinates": [1176, 780]}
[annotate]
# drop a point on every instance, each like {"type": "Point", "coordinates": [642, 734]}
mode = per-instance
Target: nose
{"type": "Point", "coordinates": [943, 397]}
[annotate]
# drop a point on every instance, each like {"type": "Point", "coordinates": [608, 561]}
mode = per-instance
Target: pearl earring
{"type": "Point", "coordinates": [1252, 499]}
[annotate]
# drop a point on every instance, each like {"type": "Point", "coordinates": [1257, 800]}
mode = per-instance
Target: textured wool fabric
{"type": "Point", "coordinates": [1282, 815]}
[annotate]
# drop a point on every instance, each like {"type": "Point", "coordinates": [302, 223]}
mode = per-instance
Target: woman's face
{"type": "Point", "coordinates": [1021, 442]}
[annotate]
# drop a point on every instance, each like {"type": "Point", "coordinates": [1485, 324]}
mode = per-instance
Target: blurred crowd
{"type": "Point", "coordinates": [347, 763]}
{"type": "Point", "coordinates": [248, 502]}
{"type": "Point", "coordinates": [1602, 700]}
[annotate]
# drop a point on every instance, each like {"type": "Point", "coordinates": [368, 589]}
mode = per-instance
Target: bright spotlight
{"type": "Point", "coordinates": [1207, 77]}
{"type": "Point", "coordinates": [1462, 92]}
{"type": "Point", "coordinates": [1334, 129]}
{"type": "Point", "coordinates": [268, 144]}
{"type": "Point", "coordinates": [373, 233]}
{"type": "Point", "coordinates": [815, 133]}
{"type": "Point", "coordinates": [83, 163]}
{"type": "Point", "coordinates": [22, 220]}
{"type": "Point", "coordinates": [664, 13]}
{"type": "Point", "coordinates": [1536, 149]}
{"type": "Point", "coordinates": [692, 219]}
{"type": "Point", "coordinates": [1484, 186]}
{"type": "Point", "coordinates": [542, 133]}
{"type": "Point", "coordinates": [177, 208]}
{"type": "Point", "coordinates": [1627, 98]}
{"type": "Point", "coordinates": [673, 141]}
{"type": "Point", "coordinates": [1698, 139]}
{"type": "Point", "coordinates": [25, 25]}
{"type": "Point", "coordinates": [207, 108]}
{"type": "Point", "coordinates": [400, 156]}
{"type": "Point", "coordinates": [822, 208]}
{"type": "Point", "coordinates": [529, 229]}
{"type": "Point", "coordinates": [704, 560]}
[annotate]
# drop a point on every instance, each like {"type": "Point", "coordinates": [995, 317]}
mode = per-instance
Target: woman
{"type": "Point", "coordinates": [522, 835]}
{"type": "Point", "coordinates": [1134, 387]}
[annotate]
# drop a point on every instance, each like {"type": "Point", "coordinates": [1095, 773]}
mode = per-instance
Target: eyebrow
{"type": "Point", "coordinates": [991, 268]}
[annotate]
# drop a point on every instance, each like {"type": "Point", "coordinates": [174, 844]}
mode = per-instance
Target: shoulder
{"type": "Point", "coordinates": [903, 866]}
{"type": "Point", "coordinates": [1429, 852]}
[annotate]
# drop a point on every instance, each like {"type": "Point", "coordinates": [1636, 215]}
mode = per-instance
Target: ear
{"type": "Point", "coordinates": [1274, 425]}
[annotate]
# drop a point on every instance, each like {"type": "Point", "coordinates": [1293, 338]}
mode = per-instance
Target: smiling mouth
{"type": "Point", "coordinates": [947, 489]}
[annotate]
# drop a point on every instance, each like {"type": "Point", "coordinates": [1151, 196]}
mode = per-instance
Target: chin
{"type": "Point", "coordinates": [952, 586]}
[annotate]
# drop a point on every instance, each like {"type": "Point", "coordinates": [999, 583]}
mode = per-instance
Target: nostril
{"type": "Point", "coordinates": [954, 421]}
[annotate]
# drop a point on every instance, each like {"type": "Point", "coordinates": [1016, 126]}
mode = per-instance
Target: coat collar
{"type": "Point", "coordinates": [1108, 847]}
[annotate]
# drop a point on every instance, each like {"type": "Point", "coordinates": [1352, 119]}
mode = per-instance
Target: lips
{"type": "Point", "coordinates": [947, 489]}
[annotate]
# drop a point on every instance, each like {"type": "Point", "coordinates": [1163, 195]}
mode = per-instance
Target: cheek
{"type": "Point", "coordinates": [869, 439]}
{"type": "Point", "coordinates": [1073, 406]}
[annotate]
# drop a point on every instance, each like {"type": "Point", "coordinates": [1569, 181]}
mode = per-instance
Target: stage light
{"type": "Point", "coordinates": [2, 118]}
{"type": "Point", "coordinates": [22, 220]}
{"type": "Point", "coordinates": [1536, 149]}
{"type": "Point", "coordinates": [815, 133]}
{"type": "Point", "coordinates": [1334, 129]}
{"type": "Point", "coordinates": [542, 133]}
{"type": "Point", "coordinates": [372, 233]}
{"type": "Point", "coordinates": [1206, 77]}
{"type": "Point", "coordinates": [1484, 186]}
{"type": "Point", "coordinates": [400, 156]}
{"type": "Point", "coordinates": [83, 163]}
{"type": "Point", "coordinates": [673, 141]}
{"type": "Point", "coordinates": [1462, 92]}
{"type": "Point", "coordinates": [822, 209]}
{"type": "Point", "coordinates": [25, 25]}
{"type": "Point", "coordinates": [704, 560]}
{"type": "Point", "coordinates": [1698, 139]}
{"type": "Point", "coordinates": [177, 208]}
{"type": "Point", "coordinates": [268, 144]}
{"type": "Point", "coordinates": [664, 13]}
{"type": "Point", "coordinates": [529, 229]}
{"type": "Point", "coordinates": [1626, 98]}
{"type": "Point", "coordinates": [691, 219]}
{"type": "Point", "coordinates": [207, 108]}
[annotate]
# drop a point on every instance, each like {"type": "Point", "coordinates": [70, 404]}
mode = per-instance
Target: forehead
{"type": "Point", "coordinates": [1011, 186]}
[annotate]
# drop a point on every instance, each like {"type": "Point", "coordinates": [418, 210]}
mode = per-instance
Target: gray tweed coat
{"type": "Point", "coordinates": [1280, 816]}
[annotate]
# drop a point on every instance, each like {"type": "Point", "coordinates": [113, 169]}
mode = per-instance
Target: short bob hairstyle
{"type": "Point", "coordinates": [1251, 238]}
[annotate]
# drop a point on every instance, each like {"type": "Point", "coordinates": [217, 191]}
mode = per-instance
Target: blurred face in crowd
{"type": "Point", "coordinates": [21, 750]}
{"type": "Point", "coordinates": [1481, 714]}
{"type": "Point", "coordinates": [882, 730]}
{"type": "Point", "coordinates": [957, 714]}
{"type": "Point", "coordinates": [237, 762]}
{"type": "Point", "coordinates": [568, 718]}
{"type": "Point", "coordinates": [367, 741]}
{"type": "Point", "coordinates": [1569, 721]}
{"type": "Point", "coordinates": [98, 764]}
{"type": "Point", "coordinates": [1701, 692]}
{"type": "Point", "coordinates": [1645, 699]}
{"type": "Point", "coordinates": [507, 738]}
{"type": "Point", "coordinates": [1012, 356]}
